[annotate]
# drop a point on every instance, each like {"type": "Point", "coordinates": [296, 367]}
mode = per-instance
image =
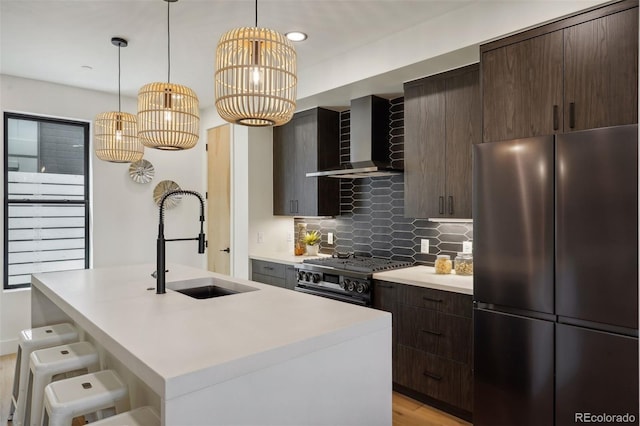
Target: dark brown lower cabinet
{"type": "Point", "coordinates": [443, 335]}
{"type": "Point", "coordinates": [432, 344]}
{"type": "Point", "coordinates": [436, 377]}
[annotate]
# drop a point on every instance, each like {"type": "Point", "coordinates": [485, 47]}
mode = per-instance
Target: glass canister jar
{"type": "Point", "coordinates": [300, 247]}
{"type": "Point", "coordinates": [464, 264]}
{"type": "Point", "coordinates": [443, 264]}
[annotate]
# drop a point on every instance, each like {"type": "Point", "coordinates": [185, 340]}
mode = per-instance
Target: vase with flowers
{"type": "Point", "coordinates": [312, 240]}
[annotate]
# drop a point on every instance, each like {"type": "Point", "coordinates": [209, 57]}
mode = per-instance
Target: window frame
{"type": "Point", "coordinates": [84, 202]}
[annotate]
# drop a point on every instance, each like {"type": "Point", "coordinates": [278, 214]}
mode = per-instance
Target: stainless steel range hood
{"type": "Point", "coordinates": [370, 147]}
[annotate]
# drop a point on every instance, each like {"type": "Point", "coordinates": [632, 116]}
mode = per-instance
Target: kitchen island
{"type": "Point", "coordinates": [269, 356]}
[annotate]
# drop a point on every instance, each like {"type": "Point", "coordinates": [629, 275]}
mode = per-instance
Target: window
{"type": "Point", "coordinates": [46, 205]}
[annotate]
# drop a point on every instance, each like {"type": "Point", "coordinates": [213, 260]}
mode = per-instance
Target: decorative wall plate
{"type": "Point", "coordinates": [141, 171]}
{"type": "Point", "coordinates": [162, 188]}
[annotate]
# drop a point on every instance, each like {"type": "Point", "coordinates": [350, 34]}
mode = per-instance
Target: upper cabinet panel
{"type": "Point", "coordinates": [601, 72]}
{"type": "Point", "coordinates": [522, 88]}
{"type": "Point", "coordinates": [309, 142]}
{"type": "Point", "coordinates": [574, 74]}
{"type": "Point", "coordinates": [442, 122]}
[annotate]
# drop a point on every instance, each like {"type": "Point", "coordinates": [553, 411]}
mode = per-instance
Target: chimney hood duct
{"type": "Point", "coordinates": [370, 147]}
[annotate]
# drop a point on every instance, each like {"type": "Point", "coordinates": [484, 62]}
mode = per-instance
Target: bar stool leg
{"type": "Point", "coordinates": [30, 340]}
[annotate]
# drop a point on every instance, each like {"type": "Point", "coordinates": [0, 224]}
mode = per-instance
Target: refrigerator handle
{"type": "Point", "coordinates": [556, 118]}
{"type": "Point", "coordinates": [572, 115]}
{"type": "Point", "coordinates": [450, 204]}
{"type": "Point", "coordinates": [441, 204]}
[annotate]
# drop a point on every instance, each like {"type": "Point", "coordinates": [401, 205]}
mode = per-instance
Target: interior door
{"type": "Point", "coordinates": [219, 199]}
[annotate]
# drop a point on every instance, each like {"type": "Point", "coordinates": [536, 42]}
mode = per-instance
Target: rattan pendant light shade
{"type": "Point", "coordinates": [255, 78]}
{"type": "Point", "coordinates": [168, 116]}
{"type": "Point", "coordinates": [168, 113]}
{"type": "Point", "coordinates": [115, 134]}
{"type": "Point", "coordinates": [116, 137]}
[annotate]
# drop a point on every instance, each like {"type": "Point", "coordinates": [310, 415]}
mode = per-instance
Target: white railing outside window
{"type": "Point", "coordinates": [46, 213]}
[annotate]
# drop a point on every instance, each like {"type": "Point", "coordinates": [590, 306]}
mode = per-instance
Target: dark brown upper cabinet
{"type": "Point", "coordinates": [442, 120]}
{"type": "Point", "coordinates": [574, 74]}
{"type": "Point", "coordinates": [307, 143]}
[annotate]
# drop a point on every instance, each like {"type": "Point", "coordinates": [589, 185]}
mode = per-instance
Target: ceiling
{"type": "Point", "coordinates": [68, 41]}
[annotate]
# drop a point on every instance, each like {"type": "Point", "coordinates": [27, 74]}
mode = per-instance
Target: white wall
{"type": "Point", "coordinates": [124, 216]}
{"type": "Point", "coordinates": [275, 230]}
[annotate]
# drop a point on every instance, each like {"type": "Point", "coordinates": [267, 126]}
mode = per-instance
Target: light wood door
{"type": "Point", "coordinates": [219, 199]}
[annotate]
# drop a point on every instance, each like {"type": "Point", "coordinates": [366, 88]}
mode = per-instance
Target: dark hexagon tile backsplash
{"type": "Point", "coordinates": [372, 211]}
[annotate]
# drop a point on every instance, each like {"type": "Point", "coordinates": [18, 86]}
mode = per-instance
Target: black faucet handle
{"type": "Point", "coordinates": [154, 274]}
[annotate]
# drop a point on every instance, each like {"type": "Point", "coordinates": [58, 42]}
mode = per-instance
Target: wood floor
{"type": "Point", "coordinates": [406, 411]}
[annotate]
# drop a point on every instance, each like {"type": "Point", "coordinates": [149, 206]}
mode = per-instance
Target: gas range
{"type": "Point", "coordinates": [345, 277]}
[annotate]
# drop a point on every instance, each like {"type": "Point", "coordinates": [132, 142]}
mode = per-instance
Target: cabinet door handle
{"type": "Point", "coordinates": [385, 286]}
{"type": "Point", "coordinates": [450, 204]}
{"type": "Point", "coordinates": [556, 118]}
{"type": "Point", "coordinates": [441, 204]}
{"type": "Point", "coordinates": [429, 299]}
{"type": "Point", "coordinates": [572, 115]}
{"type": "Point", "coordinates": [432, 376]}
{"type": "Point", "coordinates": [296, 206]}
{"type": "Point", "coordinates": [290, 206]}
{"type": "Point", "coordinates": [435, 333]}
{"type": "Point", "coordinates": [268, 268]}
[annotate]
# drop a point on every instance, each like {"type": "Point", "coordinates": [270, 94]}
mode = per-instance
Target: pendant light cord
{"type": "Point", "coordinates": [168, 44]}
{"type": "Point", "coordinates": [256, 13]}
{"type": "Point", "coordinates": [119, 102]}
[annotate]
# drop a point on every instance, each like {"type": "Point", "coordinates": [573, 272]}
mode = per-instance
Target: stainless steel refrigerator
{"type": "Point", "coordinates": [556, 278]}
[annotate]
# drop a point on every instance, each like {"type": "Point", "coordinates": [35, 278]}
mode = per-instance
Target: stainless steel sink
{"type": "Point", "coordinates": [208, 287]}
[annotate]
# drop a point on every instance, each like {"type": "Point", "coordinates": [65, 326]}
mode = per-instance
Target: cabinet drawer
{"type": "Point", "coordinates": [438, 300]}
{"type": "Point", "coordinates": [436, 377]}
{"type": "Point", "coordinates": [269, 268]}
{"type": "Point", "coordinates": [448, 336]}
{"type": "Point", "coordinates": [267, 279]}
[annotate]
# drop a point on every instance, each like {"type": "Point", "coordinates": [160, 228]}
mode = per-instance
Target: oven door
{"type": "Point", "coordinates": [331, 295]}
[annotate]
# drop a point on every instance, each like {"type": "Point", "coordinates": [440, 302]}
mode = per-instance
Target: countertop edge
{"type": "Point", "coordinates": [455, 284]}
{"type": "Point", "coordinates": [285, 258]}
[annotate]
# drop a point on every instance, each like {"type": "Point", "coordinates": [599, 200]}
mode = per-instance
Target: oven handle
{"type": "Point", "coordinates": [331, 296]}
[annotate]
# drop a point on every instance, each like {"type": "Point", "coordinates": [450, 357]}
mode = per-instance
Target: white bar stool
{"type": "Point", "coordinates": [30, 340]}
{"type": "Point", "coordinates": [143, 416]}
{"type": "Point", "coordinates": [47, 363]}
{"type": "Point", "coordinates": [81, 395]}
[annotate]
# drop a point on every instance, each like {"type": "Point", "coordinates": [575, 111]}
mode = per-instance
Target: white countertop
{"type": "Point", "coordinates": [177, 344]}
{"type": "Point", "coordinates": [425, 276]}
{"type": "Point", "coordinates": [283, 257]}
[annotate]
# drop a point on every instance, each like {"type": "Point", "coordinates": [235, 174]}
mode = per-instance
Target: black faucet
{"type": "Point", "coordinates": [160, 257]}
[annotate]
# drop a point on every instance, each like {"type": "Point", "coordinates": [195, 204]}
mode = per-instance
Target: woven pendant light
{"type": "Point", "coordinates": [115, 133]}
{"type": "Point", "coordinates": [168, 114]}
{"type": "Point", "coordinates": [255, 78]}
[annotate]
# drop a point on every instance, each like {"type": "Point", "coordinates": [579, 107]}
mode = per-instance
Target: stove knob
{"type": "Point", "coordinates": [351, 286]}
{"type": "Point", "coordinates": [316, 278]}
{"type": "Point", "coordinates": [300, 276]}
{"type": "Point", "coordinates": [362, 287]}
{"type": "Point", "coordinates": [307, 276]}
{"type": "Point", "coordinates": [345, 283]}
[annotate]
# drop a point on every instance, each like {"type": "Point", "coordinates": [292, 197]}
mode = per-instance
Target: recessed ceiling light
{"type": "Point", "coordinates": [296, 36]}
